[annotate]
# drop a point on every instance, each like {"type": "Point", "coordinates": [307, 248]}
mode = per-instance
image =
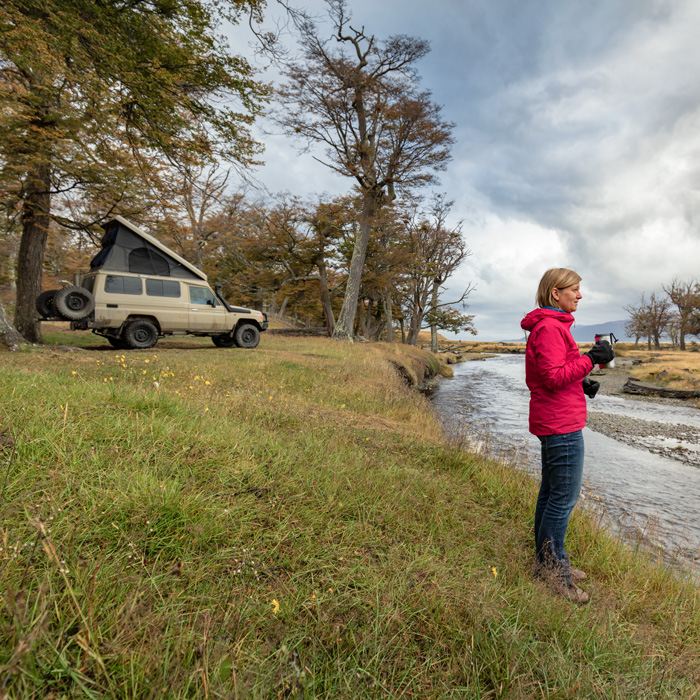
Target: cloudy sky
{"type": "Point", "coordinates": [577, 144]}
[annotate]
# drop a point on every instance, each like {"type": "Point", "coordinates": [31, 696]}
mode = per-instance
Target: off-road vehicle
{"type": "Point", "coordinates": [137, 291]}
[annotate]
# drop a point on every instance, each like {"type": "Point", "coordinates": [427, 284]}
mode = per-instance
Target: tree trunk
{"type": "Point", "coordinates": [197, 252]}
{"type": "Point", "coordinates": [36, 208]}
{"type": "Point", "coordinates": [389, 318]}
{"type": "Point", "coordinates": [365, 316]}
{"type": "Point", "coordinates": [377, 328]}
{"type": "Point", "coordinates": [325, 295]}
{"type": "Point", "coordinates": [346, 318]}
{"type": "Point", "coordinates": [9, 337]}
{"type": "Point", "coordinates": [433, 309]}
{"type": "Point", "coordinates": [421, 300]}
{"type": "Point", "coordinates": [361, 321]}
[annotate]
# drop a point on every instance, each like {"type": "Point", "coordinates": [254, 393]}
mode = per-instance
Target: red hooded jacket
{"type": "Point", "coordinates": [554, 369]}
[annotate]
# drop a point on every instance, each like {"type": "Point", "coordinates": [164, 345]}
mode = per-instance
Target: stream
{"type": "Point", "coordinates": [646, 496]}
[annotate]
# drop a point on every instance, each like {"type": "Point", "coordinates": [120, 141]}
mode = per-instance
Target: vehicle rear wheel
{"type": "Point", "coordinates": [223, 341]}
{"type": "Point", "coordinates": [73, 303]}
{"type": "Point", "coordinates": [247, 336]}
{"type": "Point", "coordinates": [44, 303]}
{"type": "Point", "coordinates": [140, 334]}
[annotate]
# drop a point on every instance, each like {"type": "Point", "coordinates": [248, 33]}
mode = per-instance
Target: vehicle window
{"type": "Point", "coordinates": [116, 284]}
{"type": "Point", "coordinates": [201, 295]}
{"type": "Point", "coordinates": [162, 288]}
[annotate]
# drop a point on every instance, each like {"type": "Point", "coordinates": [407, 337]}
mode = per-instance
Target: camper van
{"type": "Point", "coordinates": [138, 290]}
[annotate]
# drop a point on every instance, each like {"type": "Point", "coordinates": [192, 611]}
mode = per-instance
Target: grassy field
{"type": "Point", "coordinates": [672, 368]}
{"type": "Point", "coordinates": [289, 522]}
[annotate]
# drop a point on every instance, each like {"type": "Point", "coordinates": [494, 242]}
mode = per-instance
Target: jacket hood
{"type": "Point", "coordinates": [534, 317]}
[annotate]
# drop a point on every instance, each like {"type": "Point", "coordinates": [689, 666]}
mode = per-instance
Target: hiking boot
{"type": "Point", "coordinates": [577, 575]}
{"type": "Point", "coordinates": [571, 592]}
{"type": "Point", "coordinates": [544, 574]}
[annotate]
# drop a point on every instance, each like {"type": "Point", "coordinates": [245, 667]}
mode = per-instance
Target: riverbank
{"type": "Point", "coordinates": [193, 522]}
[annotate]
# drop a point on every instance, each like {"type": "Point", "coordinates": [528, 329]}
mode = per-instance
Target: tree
{"type": "Point", "coordinates": [387, 260]}
{"type": "Point", "coordinates": [91, 91]}
{"type": "Point", "coordinates": [686, 298]}
{"type": "Point", "coordinates": [649, 319]}
{"type": "Point", "coordinates": [189, 215]}
{"type": "Point", "coordinates": [358, 97]}
{"type": "Point", "coordinates": [282, 253]}
{"type": "Point", "coordinates": [326, 222]}
{"type": "Point", "coordinates": [436, 251]}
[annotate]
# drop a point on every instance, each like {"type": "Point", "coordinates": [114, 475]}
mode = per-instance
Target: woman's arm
{"type": "Point", "coordinates": [550, 351]}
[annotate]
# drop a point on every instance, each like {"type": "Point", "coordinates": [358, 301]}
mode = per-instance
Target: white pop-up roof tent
{"type": "Point", "coordinates": [126, 248]}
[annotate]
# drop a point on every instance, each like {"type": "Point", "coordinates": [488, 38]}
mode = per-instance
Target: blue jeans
{"type": "Point", "coordinates": [562, 469]}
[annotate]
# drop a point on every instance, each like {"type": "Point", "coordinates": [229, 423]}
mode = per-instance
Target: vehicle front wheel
{"type": "Point", "coordinates": [140, 335]}
{"type": "Point", "coordinates": [247, 336]}
{"type": "Point", "coordinates": [73, 303]}
{"type": "Point", "coordinates": [223, 341]}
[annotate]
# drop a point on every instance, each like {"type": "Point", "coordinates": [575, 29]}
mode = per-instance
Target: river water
{"type": "Point", "coordinates": [643, 496]}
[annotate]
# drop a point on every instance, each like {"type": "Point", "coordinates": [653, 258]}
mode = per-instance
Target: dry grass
{"type": "Point", "coordinates": [672, 368]}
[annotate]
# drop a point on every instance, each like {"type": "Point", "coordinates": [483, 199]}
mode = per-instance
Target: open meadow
{"type": "Point", "coordinates": [290, 522]}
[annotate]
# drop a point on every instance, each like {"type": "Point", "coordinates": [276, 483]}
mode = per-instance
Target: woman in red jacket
{"type": "Point", "coordinates": [555, 373]}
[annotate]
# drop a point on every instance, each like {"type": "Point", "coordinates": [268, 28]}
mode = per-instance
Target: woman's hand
{"type": "Point", "coordinates": [601, 353]}
{"type": "Point", "coordinates": [590, 387]}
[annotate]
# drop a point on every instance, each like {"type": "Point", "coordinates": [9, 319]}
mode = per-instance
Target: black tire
{"type": "Point", "coordinates": [73, 303]}
{"type": "Point", "coordinates": [140, 334]}
{"type": "Point", "coordinates": [44, 303]}
{"type": "Point", "coordinates": [117, 343]}
{"type": "Point", "coordinates": [247, 336]}
{"type": "Point", "coordinates": [223, 341]}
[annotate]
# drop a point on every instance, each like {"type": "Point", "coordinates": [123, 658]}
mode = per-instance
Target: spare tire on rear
{"type": "Point", "coordinates": [44, 303]}
{"type": "Point", "coordinates": [73, 303]}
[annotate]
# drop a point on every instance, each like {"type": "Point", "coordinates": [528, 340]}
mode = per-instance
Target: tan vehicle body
{"type": "Point", "coordinates": [132, 309]}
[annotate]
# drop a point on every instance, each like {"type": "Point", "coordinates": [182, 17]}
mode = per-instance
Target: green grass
{"type": "Point", "coordinates": [288, 522]}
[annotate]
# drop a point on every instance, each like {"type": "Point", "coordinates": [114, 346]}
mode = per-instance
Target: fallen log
{"type": "Point", "coordinates": [633, 387]}
{"type": "Point", "coordinates": [299, 332]}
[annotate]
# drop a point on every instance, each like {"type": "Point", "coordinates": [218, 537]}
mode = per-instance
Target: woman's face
{"type": "Point", "coordinates": [567, 298]}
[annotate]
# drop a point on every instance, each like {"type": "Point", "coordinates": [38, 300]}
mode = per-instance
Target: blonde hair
{"type": "Point", "coordinates": [555, 278]}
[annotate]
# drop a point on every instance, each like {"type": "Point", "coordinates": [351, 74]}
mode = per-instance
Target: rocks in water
{"type": "Point", "coordinates": [658, 437]}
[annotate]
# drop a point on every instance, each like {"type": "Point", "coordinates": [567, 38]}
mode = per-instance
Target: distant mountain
{"type": "Point", "coordinates": [587, 334]}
